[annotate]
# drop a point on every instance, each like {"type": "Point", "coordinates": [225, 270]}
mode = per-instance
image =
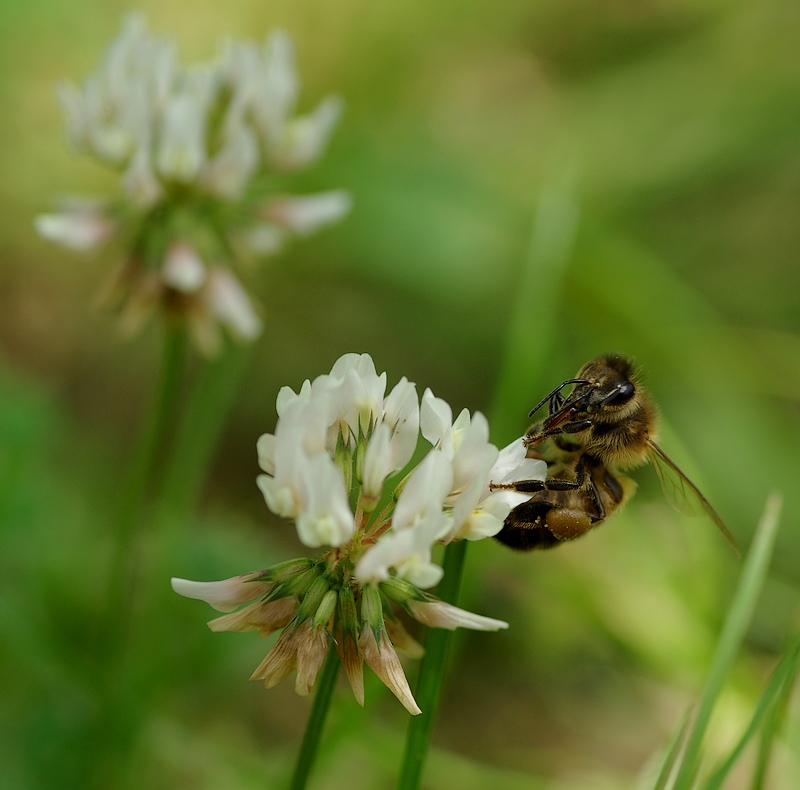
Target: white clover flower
{"type": "Point", "coordinates": [338, 440]}
{"type": "Point", "coordinates": [196, 148]}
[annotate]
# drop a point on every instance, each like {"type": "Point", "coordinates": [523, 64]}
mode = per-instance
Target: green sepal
{"type": "Point", "coordinates": [343, 458]}
{"type": "Point", "coordinates": [284, 571]}
{"type": "Point", "coordinates": [348, 615]}
{"type": "Point", "coordinates": [402, 591]}
{"type": "Point", "coordinates": [372, 608]}
{"type": "Point", "coordinates": [299, 584]}
{"type": "Point", "coordinates": [326, 608]}
{"type": "Point", "coordinates": [312, 599]}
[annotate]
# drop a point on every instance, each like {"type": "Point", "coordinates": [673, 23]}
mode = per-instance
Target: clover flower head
{"type": "Point", "coordinates": [194, 146]}
{"type": "Point", "coordinates": [337, 466]}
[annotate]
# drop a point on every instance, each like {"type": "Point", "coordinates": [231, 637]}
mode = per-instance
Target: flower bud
{"type": "Point", "coordinates": [298, 584]}
{"type": "Point", "coordinates": [284, 571]}
{"type": "Point", "coordinates": [400, 590]}
{"type": "Point", "coordinates": [372, 607]}
{"type": "Point", "coordinates": [347, 610]}
{"type": "Point", "coordinates": [343, 458]}
{"type": "Point", "coordinates": [312, 599]}
{"type": "Point", "coordinates": [361, 448]}
{"type": "Point", "coordinates": [326, 608]}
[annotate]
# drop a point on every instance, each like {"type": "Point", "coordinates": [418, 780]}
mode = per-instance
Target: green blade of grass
{"type": "Point", "coordinates": [673, 754]}
{"type": "Point", "coordinates": [774, 719]}
{"type": "Point", "coordinates": [776, 690]}
{"type": "Point", "coordinates": [534, 314]}
{"type": "Point", "coordinates": [739, 615]}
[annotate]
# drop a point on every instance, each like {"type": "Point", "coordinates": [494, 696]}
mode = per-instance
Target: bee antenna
{"type": "Point", "coordinates": [554, 395]}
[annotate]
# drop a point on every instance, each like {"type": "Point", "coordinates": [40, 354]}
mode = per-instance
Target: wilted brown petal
{"type": "Point", "coordinates": [311, 651]}
{"type": "Point", "coordinates": [280, 661]}
{"type": "Point", "coordinates": [264, 617]}
{"type": "Point", "coordinates": [382, 659]}
{"type": "Point", "coordinates": [353, 664]}
{"type": "Point", "coordinates": [403, 641]}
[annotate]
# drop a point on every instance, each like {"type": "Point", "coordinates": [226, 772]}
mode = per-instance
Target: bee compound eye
{"type": "Point", "coordinates": [621, 395]}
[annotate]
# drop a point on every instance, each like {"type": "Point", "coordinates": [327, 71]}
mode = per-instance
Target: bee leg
{"type": "Point", "coordinates": [535, 437]}
{"type": "Point", "coordinates": [601, 511]}
{"type": "Point", "coordinates": [548, 484]}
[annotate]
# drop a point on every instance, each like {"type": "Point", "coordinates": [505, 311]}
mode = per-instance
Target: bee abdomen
{"type": "Point", "coordinates": [525, 527]}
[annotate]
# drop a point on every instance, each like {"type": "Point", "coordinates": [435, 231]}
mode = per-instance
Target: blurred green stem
{"type": "Point", "coordinates": [316, 721]}
{"type": "Point", "coordinates": [431, 673]}
{"type": "Point", "coordinates": [204, 416]}
{"type": "Point", "coordinates": [116, 718]}
{"type": "Point", "coordinates": [151, 447]}
{"type": "Point", "coordinates": [534, 315]}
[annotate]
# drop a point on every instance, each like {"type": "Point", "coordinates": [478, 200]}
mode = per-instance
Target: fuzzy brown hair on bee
{"type": "Point", "coordinates": [607, 424]}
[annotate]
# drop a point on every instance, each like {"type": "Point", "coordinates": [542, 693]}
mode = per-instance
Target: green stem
{"type": "Point", "coordinates": [197, 436]}
{"type": "Point", "coordinates": [116, 715]}
{"type": "Point", "coordinates": [431, 673]}
{"type": "Point", "coordinates": [150, 450]}
{"type": "Point", "coordinates": [534, 316]}
{"type": "Point", "coordinates": [316, 721]}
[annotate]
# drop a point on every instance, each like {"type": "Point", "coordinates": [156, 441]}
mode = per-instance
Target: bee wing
{"type": "Point", "coordinates": [683, 494]}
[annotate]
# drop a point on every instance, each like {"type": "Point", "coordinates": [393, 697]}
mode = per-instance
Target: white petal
{"type": "Point", "coordinates": [435, 418]}
{"type": "Point", "coordinates": [304, 138]}
{"type": "Point", "coordinates": [510, 457]}
{"type": "Point", "coordinates": [424, 492]}
{"type": "Point", "coordinates": [362, 364]}
{"type": "Point", "coordinates": [183, 268]}
{"type": "Point", "coordinates": [377, 461]}
{"type": "Point", "coordinates": [281, 499]}
{"type": "Point", "coordinates": [361, 391]}
{"type": "Point", "coordinates": [263, 238]}
{"type": "Point", "coordinates": [474, 456]}
{"type": "Point", "coordinates": [223, 595]}
{"type": "Point", "coordinates": [181, 145]}
{"type": "Point", "coordinates": [528, 469]}
{"type": "Point", "coordinates": [265, 448]}
{"type": "Point", "coordinates": [408, 551]}
{"type": "Point", "coordinates": [325, 517]}
{"type": "Point", "coordinates": [308, 213]}
{"type": "Point", "coordinates": [77, 230]}
{"type": "Point", "coordinates": [274, 87]}
{"type": "Point", "coordinates": [139, 180]}
{"type": "Point", "coordinates": [230, 170]}
{"type": "Point", "coordinates": [401, 412]}
{"type": "Point", "coordinates": [420, 573]}
{"type": "Point", "coordinates": [439, 614]}
{"type": "Point", "coordinates": [230, 304]}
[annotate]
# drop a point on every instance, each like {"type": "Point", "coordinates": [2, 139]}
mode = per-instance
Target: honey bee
{"type": "Point", "coordinates": [607, 423]}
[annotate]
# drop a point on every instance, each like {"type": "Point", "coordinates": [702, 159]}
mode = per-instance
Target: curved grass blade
{"type": "Point", "coordinates": [739, 615]}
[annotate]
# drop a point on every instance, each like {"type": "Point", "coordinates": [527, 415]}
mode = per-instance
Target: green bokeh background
{"type": "Point", "coordinates": [534, 183]}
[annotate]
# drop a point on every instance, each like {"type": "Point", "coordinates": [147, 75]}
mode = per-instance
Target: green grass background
{"type": "Point", "coordinates": [658, 143]}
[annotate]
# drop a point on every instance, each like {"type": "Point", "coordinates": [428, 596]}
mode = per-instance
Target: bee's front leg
{"type": "Point", "coordinates": [535, 437]}
{"type": "Point", "coordinates": [548, 484]}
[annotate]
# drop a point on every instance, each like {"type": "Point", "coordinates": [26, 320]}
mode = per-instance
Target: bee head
{"type": "Point", "coordinates": [611, 385]}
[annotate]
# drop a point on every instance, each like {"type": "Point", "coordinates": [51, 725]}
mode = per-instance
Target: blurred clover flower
{"type": "Point", "coordinates": [336, 444]}
{"type": "Point", "coordinates": [194, 147]}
